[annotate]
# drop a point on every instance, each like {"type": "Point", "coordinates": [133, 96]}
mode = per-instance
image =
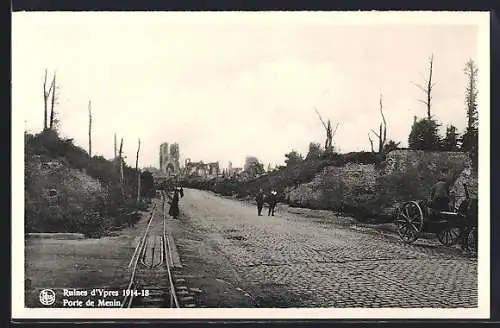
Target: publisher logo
{"type": "Point", "coordinates": [47, 297]}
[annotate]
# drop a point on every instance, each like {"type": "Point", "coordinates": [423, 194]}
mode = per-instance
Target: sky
{"type": "Point", "coordinates": [233, 85]}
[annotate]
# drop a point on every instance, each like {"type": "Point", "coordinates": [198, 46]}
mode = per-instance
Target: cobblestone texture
{"type": "Point", "coordinates": [323, 265]}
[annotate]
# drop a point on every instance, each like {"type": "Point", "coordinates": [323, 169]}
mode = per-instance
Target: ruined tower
{"type": "Point", "coordinates": [169, 159]}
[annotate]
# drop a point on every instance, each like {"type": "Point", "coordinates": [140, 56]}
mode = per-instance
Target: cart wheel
{"type": "Point", "coordinates": [409, 222]}
{"type": "Point", "coordinates": [449, 235]}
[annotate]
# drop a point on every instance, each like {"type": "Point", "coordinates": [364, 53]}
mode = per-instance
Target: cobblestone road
{"type": "Point", "coordinates": [294, 260]}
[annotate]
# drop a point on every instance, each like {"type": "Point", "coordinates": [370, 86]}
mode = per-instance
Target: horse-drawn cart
{"type": "Point", "coordinates": [450, 227]}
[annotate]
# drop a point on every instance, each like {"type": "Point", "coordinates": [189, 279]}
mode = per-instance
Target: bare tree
{"type": "Point", "coordinates": [470, 137]}
{"type": "Point", "coordinates": [382, 134]}
{"type": "Point", "coordinates": [138, 172]}
{"type": "Point", "coordinates": [120, 158]}
{"type": "Point", "coordinates": [46, 95]}
{"type": "Point", "coordinates": [427, 89]}
{"type": "Point", "coordinates": [53, 102]}
{"type": "Point", "coordinates": [471, 93]}
{"type": "Point", "coordinates": [90, 129]}
{"type": "Point", "coordinates": [329, 132]}
{"type": "Point", "coordinates": [371, 142]}
{"type": "Point", "coordinates": [115, 147]}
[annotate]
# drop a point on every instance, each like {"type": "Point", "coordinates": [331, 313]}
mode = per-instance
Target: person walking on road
{"type": "Point", "coordinates": [174, 204]}
{"type": "Point", "coordinates": [272, 202]}
{"type": "Point", "coordinates": [260, 202]}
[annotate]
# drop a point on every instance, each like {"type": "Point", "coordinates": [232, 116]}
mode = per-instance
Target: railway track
{"type": "Point", "coordinates": [152, 278]}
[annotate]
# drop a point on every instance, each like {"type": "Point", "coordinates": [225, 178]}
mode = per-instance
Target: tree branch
{"type": "Point", "coordinates": [382, 112]}
{"type": "Point", "coordinates": [375, 133]}
{"type": "Point", "coordinates": [371, 142]}
{"type": "Point", "coordinates": [420, 87]}
{"type": "Point", "coordinates": [335, 130]}
{"type": "Point", "coordinates": [320, 118]}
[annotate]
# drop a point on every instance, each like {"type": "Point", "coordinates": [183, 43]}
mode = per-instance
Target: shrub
{"type": "Point", "coordinates": [424, 135]}
{"type": "Point", "coordinates": [80, 204]}
{"type": "Point", "coordinates": [315, 151]}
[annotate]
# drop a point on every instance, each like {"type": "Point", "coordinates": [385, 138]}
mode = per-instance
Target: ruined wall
{"type": "Point", "coordinates": [335, 187]}
{"type": "Point", "coordinates": [377, 190]}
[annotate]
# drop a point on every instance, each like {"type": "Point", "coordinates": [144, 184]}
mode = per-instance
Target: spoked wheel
{"type": "Point", "coordinates": [449, 235]}
{"type": "Point", "coordinates": [409, 222]}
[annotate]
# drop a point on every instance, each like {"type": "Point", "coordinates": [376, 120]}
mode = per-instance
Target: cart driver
{"type": "Point", "coordinates": [440, 193]}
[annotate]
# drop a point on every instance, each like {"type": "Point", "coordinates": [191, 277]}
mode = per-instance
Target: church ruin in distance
{"type": "Point", "coordinates": [169, 159]}
{"type": "Point", "coordinates": [170, 164]}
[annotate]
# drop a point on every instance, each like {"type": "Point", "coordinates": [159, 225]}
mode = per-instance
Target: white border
{"type": "Point", "coordinates": [481, 19]}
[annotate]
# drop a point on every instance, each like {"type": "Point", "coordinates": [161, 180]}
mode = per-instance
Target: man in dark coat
{"type": "Point", "coordinates": [440, 194]}
{"type": "Point", "coordinates": [260, 201]}
{"type": "Point", "coordinates": [272, 202]}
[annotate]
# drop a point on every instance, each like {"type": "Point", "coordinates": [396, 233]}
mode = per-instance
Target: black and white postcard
{"type": "Point", "coordinates": [250, 165]}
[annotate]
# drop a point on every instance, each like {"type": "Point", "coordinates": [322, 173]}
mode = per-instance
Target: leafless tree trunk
{"type": "Point", "coordinates": [120, 158]}
{"type": "Point", "coordinates": [332, 134]}
{"type": "Point", "coordinates": [90, 129]}
{"type": "Point", "coordinates": [115, 147]}
{"type": "Point", "coordinates": [382, 134]}
{"type": "Point", "coordinates": [45, 101]}
{"type": "Point", "coordinates": [371, 143]}
{"type": "Point", "coordinates": [428, 88]}
{"type": "Point", "coordinates": [329, 133]}
{"type": "Point", "coordinates": [138, 172]}
{"type": "Point", "coordinates": [53, 102]}
{"type": "Point", "coordinates": [329, 137]}
{"type": "Point", "coordinates": [46, 95]}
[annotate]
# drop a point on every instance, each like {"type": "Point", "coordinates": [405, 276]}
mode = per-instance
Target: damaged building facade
{"type": "Point", "coordinates": [169, 159]}
{"type": "Point", "coordinates": [201, 169]}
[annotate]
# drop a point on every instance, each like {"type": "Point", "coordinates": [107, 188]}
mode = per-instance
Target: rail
{"type": "Point", "coordinates": [168, 250]}
{"type": "Point", "coordinates": [127, 302]}
{"type": "Point", "coordinates": [165, 258]}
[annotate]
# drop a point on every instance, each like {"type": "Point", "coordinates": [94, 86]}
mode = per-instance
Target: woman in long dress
{"type": "Point", "coordinates": [174, 205]}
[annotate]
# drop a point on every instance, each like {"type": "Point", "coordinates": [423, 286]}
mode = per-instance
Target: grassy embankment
{"type": "Point", "coordinates": [67, 191]}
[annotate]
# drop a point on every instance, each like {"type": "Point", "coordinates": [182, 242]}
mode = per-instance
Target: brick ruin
{"type": "Point", "coordinates": [201, 169]}
{"type": "Point", "coordinates": [405, 175]}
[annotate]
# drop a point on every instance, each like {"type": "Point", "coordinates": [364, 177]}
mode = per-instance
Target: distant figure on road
{"type": "Point", "coordinates": [272, 199]}
{"type": "Point", "coordinates": [260, 201]}
{"type": "Point", "coordinates": [174, 204]}
{"type": "Point", "coordinates": [440, 193]}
